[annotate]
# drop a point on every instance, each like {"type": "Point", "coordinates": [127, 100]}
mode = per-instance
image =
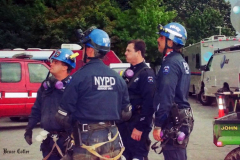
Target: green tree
{"type": "Point", "coordinates": [49, 23]}
{"type": "Point", "coordinates": [140, 22]}
{"type": "Point", "coordinates": [65, 17]}
{"type": "Point", "coordinates": [18, 23]}
{"type": "Point", "coordinates": [202, 17]}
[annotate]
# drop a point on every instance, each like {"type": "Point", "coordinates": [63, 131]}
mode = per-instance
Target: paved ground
{"type": "Point", "coordinates": [200, 147]}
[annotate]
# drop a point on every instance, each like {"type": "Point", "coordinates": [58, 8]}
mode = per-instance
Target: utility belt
{"type": "Point", "coordinates": [180, 120]}
{"type": "Point", "coordinates": [95, 126]}
{"type": "Point", "coordinates": [79, 128]}
{"type": "Point", "coordinates": [59, 133]}
{"type": "Point", "coordinates": [177, 129]}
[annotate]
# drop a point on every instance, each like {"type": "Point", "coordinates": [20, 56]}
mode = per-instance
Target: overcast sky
{"type": "Point", "coordinates": [233, 2]}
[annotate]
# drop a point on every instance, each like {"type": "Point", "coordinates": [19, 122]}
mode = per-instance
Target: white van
{"type": "Point", "coordinates": [198, 54]}
{"type": "Point", "coordinates": [222, 67]}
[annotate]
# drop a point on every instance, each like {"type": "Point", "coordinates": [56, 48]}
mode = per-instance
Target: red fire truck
{"type": "Point", "coordinates": [21, 74]}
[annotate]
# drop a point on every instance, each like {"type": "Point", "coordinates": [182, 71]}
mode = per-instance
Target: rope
{"type": "Point", "coordinates": [92, 149]}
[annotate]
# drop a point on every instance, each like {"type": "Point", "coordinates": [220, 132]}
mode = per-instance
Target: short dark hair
{"type": "Point", "coordinates": [139, 45]}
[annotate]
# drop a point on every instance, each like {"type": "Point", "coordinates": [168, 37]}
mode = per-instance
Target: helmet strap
{"type": "Point", "coordinates": [85, 55]}
{"type": "Point", "coordinates": [166, 47]}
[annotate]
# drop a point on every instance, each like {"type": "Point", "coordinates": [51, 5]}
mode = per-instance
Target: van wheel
{"type": "Point", "coordinates": [233, 155]}
{"type": "Point", "coordinates": [15, 119]}
{"type": "Point", "coordinates": [205, 100]}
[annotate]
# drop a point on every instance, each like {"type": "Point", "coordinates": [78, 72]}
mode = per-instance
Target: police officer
{"type": "Point", "coordinates": [95, 99]}
{"type": "Point", "coordinates": [173, 82]}
{"type": "Point", "coordinates": [141, 85]}
{"type": "Point", "coordinates": [47, 102]}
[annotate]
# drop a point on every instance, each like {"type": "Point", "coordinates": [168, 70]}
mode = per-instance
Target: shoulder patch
{"type": "Point", "coordinates": [150, 79]}
{"type": "Point", "coordinates": [166, 69]}
{"type": "Point", "coordinates": [186, 67]}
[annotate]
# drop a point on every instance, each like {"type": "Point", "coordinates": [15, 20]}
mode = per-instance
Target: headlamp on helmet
{"type": "Point", "coordinates": [174, 31]}
{"type": "Point", "coordinates": [95, 38]}
{"type": "Point", "coordinates": [66, 56]}
{"type": "Point", "coordinates": [84, 36]}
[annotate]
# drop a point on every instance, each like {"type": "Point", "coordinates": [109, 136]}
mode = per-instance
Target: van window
{"type": "Point", "coordinates": [37, 72]}
{"type": "Point", "coordinates": [10, 72]}
{"type": "Point", "coordinates": [208, 68]}
{"type": "Point", "coordinates": [197, 61]}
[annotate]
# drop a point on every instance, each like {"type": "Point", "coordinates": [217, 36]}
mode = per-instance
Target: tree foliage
{"type": "Point", "coordinates": [18, 24]}
{"type": "Point", "coordinates": [202, 17]}
{"type": "Point", "coordinates": [49, 23]}
{"type": "Point", "coordinates": [140, 22]}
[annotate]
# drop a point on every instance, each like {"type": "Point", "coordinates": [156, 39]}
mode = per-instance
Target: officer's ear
{"type": "Point", "coordinates": [90, 52]}
{"type": "Point", "coordinates": [169, 43]}
{"type": "Point", "coordinates": [139, 53]}
{"type": "Point", "coordinates": [65, 66]}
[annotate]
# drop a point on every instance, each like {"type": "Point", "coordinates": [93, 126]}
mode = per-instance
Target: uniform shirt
{"type": "Point", "coordinates": [173, 82]}
{"type": "Point", "coordinates": [46, 106]}
{"type": "Point", "coordinates": [143, 88]}
{"type": "Point", "coordinates": [95, 94]}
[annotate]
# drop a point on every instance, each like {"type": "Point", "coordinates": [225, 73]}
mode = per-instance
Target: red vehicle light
{"type": "Point", "coordinates": [219, 144]}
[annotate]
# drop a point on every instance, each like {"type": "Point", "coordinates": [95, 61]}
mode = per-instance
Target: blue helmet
{"type": "Point", "coordinates": [97, 39]}
{"type": "Point", "coordinates": [65, 55]}
{"type": "Point", "coordinates": [174, 31]}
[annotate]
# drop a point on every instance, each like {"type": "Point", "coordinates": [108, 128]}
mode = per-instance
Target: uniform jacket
{"type": "Point", "coordinates": [95, 94]}
{"type": "Point", "coordinates": [46, 106]}
{"type": "Point", "coordinates": [141, 93]}
{"type": "Point", "coordinates": [173, 80]}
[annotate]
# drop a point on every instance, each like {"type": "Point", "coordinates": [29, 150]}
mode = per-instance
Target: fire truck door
{"type": "Point", "coordinates": [35, 74]}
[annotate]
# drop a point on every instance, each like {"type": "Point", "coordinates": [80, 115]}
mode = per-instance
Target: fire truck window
{"type": "Point", "coordinates": [10, 72]}
{"type": "Point", "coordinates": [37, 72]}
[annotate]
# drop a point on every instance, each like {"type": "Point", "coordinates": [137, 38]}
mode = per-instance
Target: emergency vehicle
{"type": "Point", "coordinates": [19, 82]}
{"type": "Point", "coordinates": [222, 75]}
{"type": "Point", "coordinates": [198, 55]}
{"type": "Point", "coordinates": [44, 54]}
{"type": "Point", "coordinates": [22, 72]}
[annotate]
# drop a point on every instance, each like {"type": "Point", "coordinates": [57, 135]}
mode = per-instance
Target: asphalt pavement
{"type": "Point", "coordinates": [200, 147]}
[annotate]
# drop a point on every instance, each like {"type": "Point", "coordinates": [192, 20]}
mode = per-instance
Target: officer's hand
{"type": "Point", "coordinates": [28, 136]}
{"type": "Point", "coordinates": [156, 134]}
{"type": "Point", "coordinates": [136, 134]}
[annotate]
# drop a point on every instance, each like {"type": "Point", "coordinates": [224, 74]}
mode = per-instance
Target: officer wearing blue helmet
{"type": "Point", "coordinates": [173, 115]}
{"type": "Point", "coordinates": [96, 98]}
{"type": "Point", "coordinates": [46, 105]}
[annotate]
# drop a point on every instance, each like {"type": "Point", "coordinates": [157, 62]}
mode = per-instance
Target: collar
{"type": "Point", "coordinates": [167, 54]}
{"type": "Point", "coordinates": [134, 67]}
{"type": "Point", "coordinates": [97, 60]}
{"type": "Point", "coordinates": [67, 79]}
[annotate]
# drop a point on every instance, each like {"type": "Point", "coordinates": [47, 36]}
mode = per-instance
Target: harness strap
{"type": "Point", "coordinates": [55, 138]}
{"type": "Point", "coordinates": [135, 76]}
{"type": "Point", "coordinates": [92, 149]}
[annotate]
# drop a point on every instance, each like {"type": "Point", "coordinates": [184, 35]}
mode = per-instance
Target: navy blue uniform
{"type": "Point", "coordinates": [97, 94]}
{"type": "Point", "coordinates": [173, 82]}
{"type": "Point", "coordinates": [141, 95]}
{"type": "Point", "coordinates": [44, 110]}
